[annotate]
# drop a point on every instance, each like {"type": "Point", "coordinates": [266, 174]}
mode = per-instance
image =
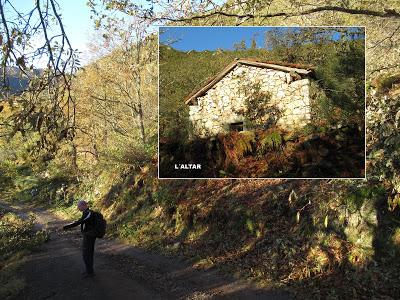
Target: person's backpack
{"type": "Point", "coordinates": [100, 225]}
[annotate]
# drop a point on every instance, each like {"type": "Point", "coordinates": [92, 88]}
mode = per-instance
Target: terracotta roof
{"type": "Point", "coordinates": [282, 66]}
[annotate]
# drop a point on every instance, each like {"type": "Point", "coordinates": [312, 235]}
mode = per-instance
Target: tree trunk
{"type": "Point", "coordinates": [74, 156]}
{"type": "Point", "coordinates": [141, 122]}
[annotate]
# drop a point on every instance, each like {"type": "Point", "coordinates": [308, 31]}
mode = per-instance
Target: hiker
{"type": "Point", "coordinates": [87, 222]}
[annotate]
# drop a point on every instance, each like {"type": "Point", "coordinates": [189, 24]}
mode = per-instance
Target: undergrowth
{"type": "Point", "coordinates": [17, 239]}
{"type": "Point", "coordinates": [310, 152]}
{"type": "Point", "coordinates": [311, 237]}
{"type": "Point", "coordinates": [259, 230]}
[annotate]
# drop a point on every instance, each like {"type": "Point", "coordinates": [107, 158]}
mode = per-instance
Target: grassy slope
{"type": "Point", "coordinates": [17, 239]}
{"type": "Point", "coordinates": [316, 238]}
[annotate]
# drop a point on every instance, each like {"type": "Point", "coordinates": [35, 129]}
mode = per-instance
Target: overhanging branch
{"type": "Point", "coordinates": [387, 13]}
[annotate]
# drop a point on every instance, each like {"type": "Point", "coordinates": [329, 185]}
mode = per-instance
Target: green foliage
{"type": "Point", "coordinates": [253, 43]}
{"type": "Point", "coordinates": [7, 174]}
{"type": "Point", "coordinates": [269, 141]}
{"type": "Point", "coordinates": [236, 145]}
{"type": "Point", "coordinates": [304, 251]}
{"type": "Point", "coordinates": [24, 184]}
{"type": "Point", "coordinates": [322, 107]}
{"type": "Point", "coordinates": [244, 143]}
{"type": "Point", "coordinates": [338, 93]}
{"type": "Point", "coordinates": [164, 197]}
{"type": "Point", "coordinates": [341, 76]}
{"type": "Point", "coordinates": [17, 239]}
{"type": "Point", "coordinates": [249, 225]}
{"type": "Point", "coordinates": [383, 141]}
{"type": "Point", "coordinates": [314, 129]}
{"type": "Point", "coordinates": [142, 226]}
{"type": "Point", "coordinates": [258, 110]}
{"type": "Point", "coordinates": [357, 197]}
{"type": "Point", "coordinates": [17, 234]}
{"type": "Point", "coordinates": [240, 46]}
{"type": "Point", "coordinates": [135, 156]}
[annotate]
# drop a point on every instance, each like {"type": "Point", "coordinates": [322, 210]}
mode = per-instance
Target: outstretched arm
{"type": "Point", "coordinates": [71, 225]}
{"type": "Point", "coordinates": [82, 220]}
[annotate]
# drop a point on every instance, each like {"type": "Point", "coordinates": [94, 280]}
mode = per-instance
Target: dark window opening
{"type": "Point", "coordinates": [238, 126]}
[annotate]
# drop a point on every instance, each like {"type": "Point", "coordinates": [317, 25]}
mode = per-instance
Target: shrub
{"type": "Point", "coordinates": [17, 238]}
{"type": "Point", "coordinates": [17, 234]}
{"type": "Point", "coordinates": [258, 111]}
{"type": "Point", "coordinates": [269, 141]}
{"type": "Point", "coordinates": [236, 145]}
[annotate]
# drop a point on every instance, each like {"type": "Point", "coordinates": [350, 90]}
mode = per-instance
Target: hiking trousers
{"type": "Point", "coordinates": [88, 251]}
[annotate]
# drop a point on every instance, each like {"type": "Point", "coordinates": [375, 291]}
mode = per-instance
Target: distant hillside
{"type": "Point", "coordinates": [16, 82]}
{"type": "Point", "coordinates": [192, 68]}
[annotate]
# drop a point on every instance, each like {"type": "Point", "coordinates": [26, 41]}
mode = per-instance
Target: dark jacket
{"type": "Point", "coordinates": [87, 222]}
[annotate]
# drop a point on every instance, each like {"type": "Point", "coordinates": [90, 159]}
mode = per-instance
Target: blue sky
{"type": "Point", "coordinates": [206, 38]}
{"type": "Point", "coordinates": [211, 38]}
{"type": "Point", "coordinates": [80, 30]}
{"type": "Point", "coordinates": [76, 19]}
{"type": "Point", "coordinates": [75, 15]}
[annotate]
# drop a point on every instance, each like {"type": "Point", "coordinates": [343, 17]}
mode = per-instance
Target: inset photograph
{"type": "Point", "coordinates": [261, 102]}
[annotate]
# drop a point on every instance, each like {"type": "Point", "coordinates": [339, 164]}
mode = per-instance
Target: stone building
{"type": "Point", "coordinates": [218, 106]}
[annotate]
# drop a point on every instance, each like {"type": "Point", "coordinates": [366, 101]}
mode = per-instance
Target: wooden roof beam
{"type": "Point", "coordinates": [232, 65]}
{"type": "Point", "coordinates": [275, 67]}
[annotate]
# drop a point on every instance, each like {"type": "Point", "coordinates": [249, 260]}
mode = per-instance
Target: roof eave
{"type": "Point", "coordinates": [275, 67]}
{"type": "Point", "coordinates": [232, 65]}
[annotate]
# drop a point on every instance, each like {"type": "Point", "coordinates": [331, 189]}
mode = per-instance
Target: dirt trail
{"type": "Point", "coordinates": [122, 272]}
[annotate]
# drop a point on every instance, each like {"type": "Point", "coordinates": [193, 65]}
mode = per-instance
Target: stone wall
{"type": "Point", "coordinates": [220, 105]}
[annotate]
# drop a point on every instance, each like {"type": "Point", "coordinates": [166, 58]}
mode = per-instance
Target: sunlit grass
{"type": "Point", "coordinates": [17, 239]}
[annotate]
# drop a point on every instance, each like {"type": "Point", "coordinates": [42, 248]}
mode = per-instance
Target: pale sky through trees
{"type": "Point", "coordinates": [79, 27]}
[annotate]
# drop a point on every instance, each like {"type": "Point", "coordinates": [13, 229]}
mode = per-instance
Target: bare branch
{"type": "Point", "coordinates": [383, 14]}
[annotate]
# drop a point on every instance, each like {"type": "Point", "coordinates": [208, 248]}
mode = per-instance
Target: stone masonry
{"type": "Point", "coordinates": [218, 107]}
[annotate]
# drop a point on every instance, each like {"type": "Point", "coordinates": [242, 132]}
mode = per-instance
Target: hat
{"type": "Point", "coordinates": [82, 204]}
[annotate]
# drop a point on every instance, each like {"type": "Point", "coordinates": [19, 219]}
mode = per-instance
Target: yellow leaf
{"type": "Point", "coordinates": [326, 221]}
{"type": "Point", "coordinates": [292, 197]}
